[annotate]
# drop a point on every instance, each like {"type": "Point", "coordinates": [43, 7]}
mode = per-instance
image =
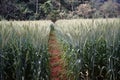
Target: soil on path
{"type": "Point", "coordinates": [56, 63]}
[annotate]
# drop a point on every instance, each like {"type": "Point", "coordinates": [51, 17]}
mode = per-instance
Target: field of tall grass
{"type": "Point", "coordinates": [23, 50]}
{"type": "Point", "coordinates": [91, 48]}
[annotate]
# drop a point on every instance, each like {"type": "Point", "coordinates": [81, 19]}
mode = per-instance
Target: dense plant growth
{"type": "Point", "coordinates": [91, 48]}
{"type": "Point", "coordinates": [40, 9]}
{"type": "Point", "coordinates": [23, 50]}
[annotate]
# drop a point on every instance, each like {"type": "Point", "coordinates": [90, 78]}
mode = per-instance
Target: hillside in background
{"type": "Point", "coordinates": [60, 9]}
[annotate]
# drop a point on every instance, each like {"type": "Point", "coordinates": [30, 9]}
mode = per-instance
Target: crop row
{"type": "Point", "coordinates": [23, 50]}
{"type": "Point", "coordinates": [91, 48]}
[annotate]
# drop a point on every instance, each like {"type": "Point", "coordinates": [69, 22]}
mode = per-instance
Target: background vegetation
{"type": "Point", "coordinates": [42, 9]}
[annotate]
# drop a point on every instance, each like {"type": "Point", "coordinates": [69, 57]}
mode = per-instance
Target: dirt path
{"type": "Point", "coordinates": [56, 63]}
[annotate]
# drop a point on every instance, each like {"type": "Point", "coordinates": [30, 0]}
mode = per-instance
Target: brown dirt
{"type": "Point", "coordinates": [56, 63]}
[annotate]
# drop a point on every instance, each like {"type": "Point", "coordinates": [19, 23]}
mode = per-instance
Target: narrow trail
{"type": "Point", "coordinates": [56, 63]}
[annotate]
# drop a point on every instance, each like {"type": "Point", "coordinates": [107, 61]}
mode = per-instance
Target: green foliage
{"type": "Point", "coordinates": [91, 48]}
{"type": "Point", "coordinates": [27, 9]}
{"type": "Point", "coordinates": [47, 7]}
{"type": "Point", "coordinates": [23, 51]}
{"type": "Point", "coordinates": [54, 15]}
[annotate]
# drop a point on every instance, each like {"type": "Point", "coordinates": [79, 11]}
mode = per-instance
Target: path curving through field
{"type": "Point", "coordinates": [56, 62]}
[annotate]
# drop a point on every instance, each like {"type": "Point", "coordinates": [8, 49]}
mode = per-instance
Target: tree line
{"type": "Point", "coordinates": [45, 9]}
